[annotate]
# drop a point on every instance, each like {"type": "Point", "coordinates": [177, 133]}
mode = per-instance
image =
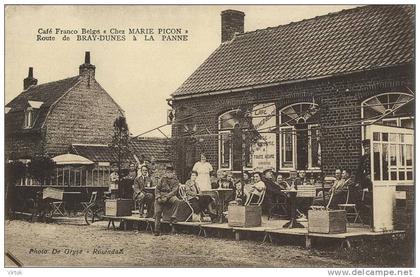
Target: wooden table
{"type": "Point", "coordinates": [292, 223]}
{"type": "Point", "coordinates": [223, 194]}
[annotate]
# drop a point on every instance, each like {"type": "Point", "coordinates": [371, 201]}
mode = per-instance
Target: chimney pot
{"type": "Point", "coordinates": [30, 80]}
{"type": "Point", "coordinates": [232, 22]}
{"type": "Point", "coordinates": [87, 57]}
{"type": "Point", "coordinates": [87, 69]}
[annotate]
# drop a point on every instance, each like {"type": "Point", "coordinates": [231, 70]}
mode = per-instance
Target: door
{"type": "Point", "coordinates": [392, 163]}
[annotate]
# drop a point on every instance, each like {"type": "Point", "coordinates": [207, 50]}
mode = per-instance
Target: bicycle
{"type": "Point", "coordinates": [95, 211]}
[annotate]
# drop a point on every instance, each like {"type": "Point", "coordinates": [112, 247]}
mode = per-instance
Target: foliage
{"type": "Point", "coordinates": [120, 142]}
{"type": "Point", "coordinates": [14, 171]}
{"type": "Point", "coordinates": [389, 252]}
{"type": "Point", "coordinates": [41, 168]}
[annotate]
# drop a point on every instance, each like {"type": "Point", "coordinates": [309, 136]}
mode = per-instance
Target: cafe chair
{"type": "Point", "coordinates": [92, 200]}
{"type": "Point", "coordinates": [260, 199]}
{"type": "Point", "coordinates": [57, 203]}
{"type": "Point", "coordinates": [58, 208]}
{"type": "Point", "coordinates": [182, 192]}
{"type": "Point", "coordinates": [351, 210]}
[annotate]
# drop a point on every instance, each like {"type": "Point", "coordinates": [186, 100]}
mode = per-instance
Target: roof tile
{"type": "Point", "coordinates": [362, 38]}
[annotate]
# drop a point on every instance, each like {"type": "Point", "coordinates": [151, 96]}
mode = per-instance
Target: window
{"type": "Point", "coordinates": [389, 109]}
{"type": "Point", "coordinates": [287, 147]}
{"type": "Point", "coordinates": [225, 149]}
{"type": "Point", "coordinates": [392, 156]}
{"type": "Point", "coordinates": [28, 118]}
{"type": "Point", "coordinates": [300, 146]}
{"type": "Point", "coordinates": [227, 121]}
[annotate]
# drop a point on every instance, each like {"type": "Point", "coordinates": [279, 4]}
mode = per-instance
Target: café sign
{"type": "Point", "coordinates": [264, 151]}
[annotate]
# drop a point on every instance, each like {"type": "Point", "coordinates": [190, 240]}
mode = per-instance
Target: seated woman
{"type": "Point", "coordinates": [256, 189]}
{"type": "Point", "coordinates": [282, 183]}
{"type": "Point", "coordinates": [199, 202]}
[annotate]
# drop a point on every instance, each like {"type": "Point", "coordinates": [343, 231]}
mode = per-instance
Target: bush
{"type": "Point", "coordinates": [384, 252]}
{"type": "Point", "coordinates": [40, 168]}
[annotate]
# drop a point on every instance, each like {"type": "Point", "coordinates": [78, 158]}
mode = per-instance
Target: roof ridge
{"type": "Point", "coordinates": [90, 144]}
{"type": "Point", "coordinates": [345, 41]}
{"type": "Point", "coordinates": [49, 83]}
{"type": "Point", "coordinates": [308, 19]}
{"type": "Point", "coordinates": [149, 138]}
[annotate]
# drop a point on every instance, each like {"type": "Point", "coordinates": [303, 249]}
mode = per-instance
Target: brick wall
{"type": "Point", "coordinates": [339, 99]}
{"type": "Point", "coordinates": [23, 146]}
{"type": "Point", "coordinates": [85, 115]}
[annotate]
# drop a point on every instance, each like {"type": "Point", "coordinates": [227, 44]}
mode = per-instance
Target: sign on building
{"type": "Point", "coordinates": [264, 151]}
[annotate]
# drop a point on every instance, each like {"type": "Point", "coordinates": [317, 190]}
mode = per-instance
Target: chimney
{"type": "Point", "coordinates": [232, 22]}
{"type": "Point", "coordinates": [30, 80]}
{"type": "Point", "coordinates": [87, 69]}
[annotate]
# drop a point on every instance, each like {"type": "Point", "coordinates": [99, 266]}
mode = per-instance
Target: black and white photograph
{"type": "Point", "coordinates": [210, 136]}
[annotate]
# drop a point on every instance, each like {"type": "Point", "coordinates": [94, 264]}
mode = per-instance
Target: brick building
{"type": "Point", "coordinates": [72, 116]}
{"type": "Point", "coordinates": [307, 86]}
{"type": "Point", "coordinates": [314, 90]}
{"type": "Point", "coordinates": [49, 118]}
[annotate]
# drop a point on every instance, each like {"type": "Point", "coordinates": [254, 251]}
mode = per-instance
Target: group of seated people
{"type": "Point", "coordinates": [247, 189]}
{"type": "Point", "coordinates": [276, 186]}
{"type": "Point", "coordinates": [167, 193]}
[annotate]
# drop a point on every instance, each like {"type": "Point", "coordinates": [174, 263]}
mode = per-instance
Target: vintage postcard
{"type": "Point", "coordinates": [210, 136]}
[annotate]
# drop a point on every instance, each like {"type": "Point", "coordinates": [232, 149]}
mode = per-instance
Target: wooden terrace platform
{"type": "Point", "coordinates": [270, 231]}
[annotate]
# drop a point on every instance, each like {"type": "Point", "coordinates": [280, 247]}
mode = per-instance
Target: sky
{"type": "Point", "coordinates": [139, 75]}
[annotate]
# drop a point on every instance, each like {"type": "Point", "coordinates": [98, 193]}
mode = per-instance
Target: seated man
{"type": "Point", "coordinates": [114, 178]}
{"type": "Point", "coordinates": [165, 197]}
{"type": "Point", "coordinates": [337, 177]}
{"type": "Point", "coordinates": [256, 190]}
{"type": "Point", "coordinates": [338, 192]}
{"type": "Point", "coordinates": [199, 202]}
{"type": "Point", "coordinates": [301, 179]}
{"type": "Point", "coordinates": [141, 195]}
{"type": "Point", "coordinates": [273, 190]}
{"type": "Point", "coordinates": [242, 184]}
{"type": "Point", "coordinates": [224, 181]}
{"type": "Point", "coordinates": [292, 179]}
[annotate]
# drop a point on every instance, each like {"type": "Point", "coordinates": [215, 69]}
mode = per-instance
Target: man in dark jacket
{"type": "Point", "coordinates": [363, 174]}
{"type": "Point", "coordinates": [141, 194]}
{"type": "Point", "coordinates": [165, 197]}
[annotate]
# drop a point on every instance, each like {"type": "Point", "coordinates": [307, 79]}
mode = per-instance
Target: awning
{"type": "Point", "coordinates": [71, 159]}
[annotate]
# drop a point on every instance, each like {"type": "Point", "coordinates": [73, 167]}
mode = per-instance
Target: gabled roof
{"type": "Point", "coordinates": [157, 148]}
{"type": "Point", "coordinates": [352, 40]}
{"type": "Point", "coordinates": [47, 93]}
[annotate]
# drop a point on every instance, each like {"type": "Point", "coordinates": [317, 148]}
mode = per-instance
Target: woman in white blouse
{"type": "Point", "coordinates": [203, 169]}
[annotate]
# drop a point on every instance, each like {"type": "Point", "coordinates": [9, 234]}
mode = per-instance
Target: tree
{"type": "Point", "coordinates": [41, 168]}
{"type": "Point", "coordinates": [13, 172]}
{"type": "Point", "coordinates": [120, 141]}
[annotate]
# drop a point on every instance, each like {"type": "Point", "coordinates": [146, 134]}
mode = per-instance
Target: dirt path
{"type": "Point", "coordinates": [28, 241]}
